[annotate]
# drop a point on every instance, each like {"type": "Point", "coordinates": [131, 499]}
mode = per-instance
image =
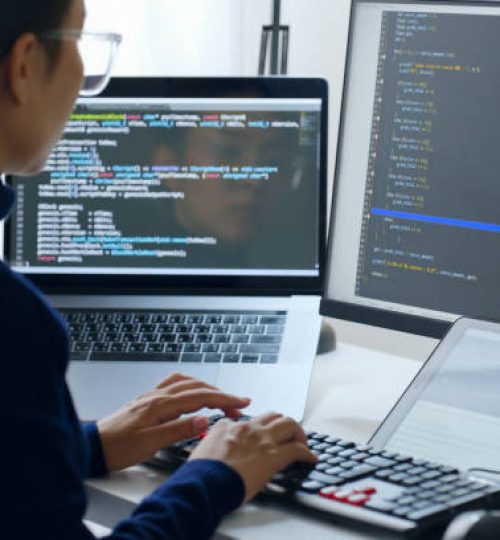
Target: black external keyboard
{"type": "Point", "coordinates": [175, 336]}
{"type": "Point", "coordinates": [369, 487]}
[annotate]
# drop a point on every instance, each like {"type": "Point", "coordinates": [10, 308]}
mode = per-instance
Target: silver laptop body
{"type": "Point", "coordinates": [194, 196]}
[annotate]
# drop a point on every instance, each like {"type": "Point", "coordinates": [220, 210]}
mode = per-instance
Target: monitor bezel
{"type": "Point", "coordinates": [379, 317]}
{"type": "Point", "coordinates": [207, 87]}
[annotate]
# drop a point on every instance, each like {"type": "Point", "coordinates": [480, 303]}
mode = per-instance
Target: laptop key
{"type": "Point", "coordinates": [212, 358]}
{"type": "Point", "coordinates": [249, 319]}
{"type": "Point", "coordinates": [222, 338]}
{"type": "Point", "coordinates": [167, 338]}
{"type": "Point", "coordinates": [204, 338]}
{"type": "Point", "coordinates": [240, 338]}
{"type": "Point", "coordinates": [155, 347]}
{"type": "Point", "coordinates": [269, 359]}
{"type": "Point", "coordinates": [257, 348]}
{"type": "Point", "coordinates": [82, 347]}
{"type": "Point", "coordinates": [192, 357]}
{"type": "Point", "coordinates": [137, 347]}
{"type": "Point", "coordinates": [250, 358]}
{"type": "Point", "coordinates": [229, 348]}
{"type": "Point", "coordinates": [210, 348]}
{"type": "Point", "coordinates": [266, 339]}
{"type": "Point", "coordinates": [231, 358]}
{"type": "Point", "coordinates": [257, 330]}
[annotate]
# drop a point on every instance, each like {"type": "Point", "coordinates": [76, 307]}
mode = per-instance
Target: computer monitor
{"type": "Point", "coordinates": [414, 240]}
{"type": "Point", "coordinates": [194, 182]}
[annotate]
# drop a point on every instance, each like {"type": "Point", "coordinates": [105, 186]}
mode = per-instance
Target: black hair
{"type": "Point", "coordinates": [20, 16]}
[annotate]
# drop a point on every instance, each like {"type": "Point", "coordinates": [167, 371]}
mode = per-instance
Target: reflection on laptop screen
{"type": "Point", "coordinates": [176, 186]}
{"type": "Point", "coordinates": [417, 214]}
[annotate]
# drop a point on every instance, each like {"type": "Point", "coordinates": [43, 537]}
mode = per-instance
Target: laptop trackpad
{"type": "Point", "coordinates": [98, 389]}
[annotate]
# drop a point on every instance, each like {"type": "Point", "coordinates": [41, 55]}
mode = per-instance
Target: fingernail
{"type": "Point", "coordinates": [200, 424]}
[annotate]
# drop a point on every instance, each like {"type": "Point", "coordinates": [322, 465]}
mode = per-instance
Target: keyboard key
{"type": "Point", "coordinates": [266, 339]}
{"type": "Point", "coordinates": [122, 347]}
{"type": "Point", "coordinates": [192, 348]}
{"type": "Point", "coordinates": [250, 358]}
{"type": "Point", "coordinates": [213, 358]}
{"type": "Point", "coordinates": [231, 358]}
{"type": "Point", "coordinates": [262, 349]}
{"type": "Point", "coordinates": [167, 338]}
{"type": "Point", "coordinates": [249, 319]}
{"type": "Point", "coordinates": [191, 357]}
{"type": "Point", "coordinates": [275, 329]}
{"type": "Point", "coordinates": [155, 347]}
{"type": "Point", "coordinates": [326, 479]}
{"type": "Point", "coordinates": [196, 319]}
{"type": "Point", "coordinates": [204, 338]}
{"type": "Point", "coordinates": [213, 319]}
{"type": "Point", "coordinates": [429, 511]}
{"type": "Point", "coordinates": [357, 472]}
{"type": "Point", "coordinates": [210, 348]}
{"type": "Point", "coordinates": [228, 348]}
{"type": "Point", "coordinates": [201, 329]}
{"type": "Point", "coordinates": [269, 359]}
{"type": "Point", "coordinates": [272, 320]}
{"type": "Point", "coordinates": [380, 505]}
{"type": "Point", "coordinates": [256, 330]}
{"type": "Point", "coordinates": [240, 338]}
{"type": "Point", "coordinates": [82, 347]}
{"type": "Point", "coordinates": [311, 487]}
{"type": "Point", "coordinates": [379, 462]}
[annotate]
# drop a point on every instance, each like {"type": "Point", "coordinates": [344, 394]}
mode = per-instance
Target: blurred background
{"type": "Point", "coordinates": [222, 37]}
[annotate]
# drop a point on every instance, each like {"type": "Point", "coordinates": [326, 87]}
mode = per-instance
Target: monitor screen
{"type": "Point", "coordinates": [416, 215]}
{"type": "Point", "coordinates": [176, 186]}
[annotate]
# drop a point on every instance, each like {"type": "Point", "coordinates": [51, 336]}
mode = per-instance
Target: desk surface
{"type": "Point", "coordinates": [352, 389]}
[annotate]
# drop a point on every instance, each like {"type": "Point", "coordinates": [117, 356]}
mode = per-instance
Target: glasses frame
{"type": "Point", "coordinates": [114, 39]}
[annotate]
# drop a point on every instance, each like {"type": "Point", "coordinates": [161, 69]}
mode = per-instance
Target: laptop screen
{"type": "Point", "coordinates": [416, 215]}
{"type": "Point", "coordinates": [225, 186]}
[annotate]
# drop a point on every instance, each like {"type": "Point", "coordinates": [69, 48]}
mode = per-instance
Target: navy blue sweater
{"type": "Point", "coordinates": [45, 453]}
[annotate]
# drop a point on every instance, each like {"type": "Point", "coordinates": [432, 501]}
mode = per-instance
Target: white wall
{"type": "Point", "coordinates": [222, 37]}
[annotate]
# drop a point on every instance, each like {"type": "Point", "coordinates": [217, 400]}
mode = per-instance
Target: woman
{"type": "Point", "coordinates": [45, 453]}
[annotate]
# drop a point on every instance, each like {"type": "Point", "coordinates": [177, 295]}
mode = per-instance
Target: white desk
{"type": "Point", "coordinates": [352, 389]}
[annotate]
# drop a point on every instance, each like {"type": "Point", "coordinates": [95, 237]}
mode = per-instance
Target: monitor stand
{"type": "Point", "coordinates": [327, 341]}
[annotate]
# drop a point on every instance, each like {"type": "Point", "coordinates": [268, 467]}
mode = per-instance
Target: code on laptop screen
{"type": "Point", "coordinates": [203, 186]}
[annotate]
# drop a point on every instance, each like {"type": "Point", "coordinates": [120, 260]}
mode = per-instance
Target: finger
{"type": "Point", "coordinates": [172, 379]}
{"type": "Point", "coordinates": [295, 451]}
{"type": "Point", "coordinates": [193, 400]}
{"type": "Point", "coordinates": [182, 386]}
{"type": "Point", "coordinates": [265, 419]}
{"type": "Point", "coordinates": [286, 429]}
{"type": "Point", "coordinates": [171, 432]}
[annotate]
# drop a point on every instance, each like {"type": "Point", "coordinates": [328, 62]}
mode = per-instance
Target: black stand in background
{"type": "Point", "coordinates": [280, 39]}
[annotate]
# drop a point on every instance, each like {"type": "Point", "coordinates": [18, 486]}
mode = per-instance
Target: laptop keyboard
{"type": "Point", "coordinates": [230, 337]}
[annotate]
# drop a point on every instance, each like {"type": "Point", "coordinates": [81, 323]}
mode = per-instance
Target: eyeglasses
{"type": "Point", "coordinates": [97, 50]}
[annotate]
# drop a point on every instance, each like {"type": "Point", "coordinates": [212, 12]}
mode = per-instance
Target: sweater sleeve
{"type": "Point", "coordinates": [97, 464]}
{"type": "Point", "coordinates": [188, 506]}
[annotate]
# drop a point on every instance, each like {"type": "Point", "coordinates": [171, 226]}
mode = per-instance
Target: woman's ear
{"type": "Point", "coordinates": [24, 62]}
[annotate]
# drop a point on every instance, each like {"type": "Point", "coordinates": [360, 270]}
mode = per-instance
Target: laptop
{"type": "Point", "coordinates": [179, 226]}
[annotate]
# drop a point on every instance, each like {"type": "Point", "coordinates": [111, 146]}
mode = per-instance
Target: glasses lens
{"type": "Point", "coordinates": [97, 56]}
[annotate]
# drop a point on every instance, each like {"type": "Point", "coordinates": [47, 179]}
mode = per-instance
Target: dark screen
{"type": "Point", "coordinates": [155, 187]}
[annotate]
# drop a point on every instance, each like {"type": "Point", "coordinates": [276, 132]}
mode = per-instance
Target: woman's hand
{"type": "Point", "coordinates": [257, 449]}
{"type": "Point", "coordinates": [153, 421]}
